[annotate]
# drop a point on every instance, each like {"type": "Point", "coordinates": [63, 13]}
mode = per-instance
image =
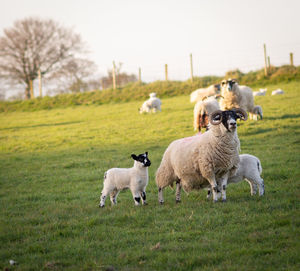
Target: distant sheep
{"type": "Point", "coordinates": [135, 178]}
{"type": "Point", "coordinates": [257, 111]}
{"type": "Point", "coordinates": [152, 104]}
{"type": "Point", "coordinates": [200, 93]}
{"type": "Point", "coordinates": [261, 92]}
{"type": "Point", "coordinates": [203, 109]}
{"type": "Point", "coordinates": [277, 92]}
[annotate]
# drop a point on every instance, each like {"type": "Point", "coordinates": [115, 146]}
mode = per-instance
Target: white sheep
{"type": "Point", "coordinates": [200, 93]}
{"type": "Point", "coordinates": [135, 178]}
{"type": "Point", "coordinates": [152, 104]}
{"type": "Point", "coordinates": [257, 111]}
{"type": "Point", "coordinates": [250, 170]}
{"type": "Point", "coordinates": [277, 92]}
{"type": "Point", "coordinates": [261, 92]}
{"type": "Point", "coordinates": [214, 155]}
{"type": "Point", "coordinates": [203, 109]}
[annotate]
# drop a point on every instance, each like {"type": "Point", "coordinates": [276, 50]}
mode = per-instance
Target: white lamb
{"type": "Point", "coordinates": [135, 178]}
{"type": "Point", "coordinates": [261, 92]}
{"type": "Point", "coordinates": [257, 111]}
{"type": "Point", "coordinates": [152, 104]}
{"type": "Point", "coordinates": [277, 92]}
{"type": "Point", "coordinates": [195, 161]}
{"type": "Point", "coordinates": [249, 169]}
{"type": "Point", "coordinates": [200, 93]}
{"type": "Point", "coordinates": [202, 110]}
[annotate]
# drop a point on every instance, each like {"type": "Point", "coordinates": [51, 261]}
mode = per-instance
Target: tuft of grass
{"type": "Point", "coordinates": [51, 173]}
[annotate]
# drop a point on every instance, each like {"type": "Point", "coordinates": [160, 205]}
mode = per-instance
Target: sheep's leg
{"type": "Point", "coordinates": [136, 197]}
{"type": "Point", "coordinates": [208, 193]}
{"type": "Point", "coordinates": [223, 187]}
{"type": "Point", "coordinates": [160, 195]}
{"type": "Point", "coordinates": [253, 187]}
{"type": "Point", "coordinates": [178, 191]}
{"type": "Point", "coordinates": [214, 187]}
{"type": "Point", "coordinates": [103, 196]}
{"type": "Point", "coordinates": [143, 196]}
{"type": "Point", "coordinates": [113, 197]}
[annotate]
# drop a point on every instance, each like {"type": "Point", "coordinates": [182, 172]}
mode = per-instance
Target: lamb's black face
{"type": "Point", "coordinates": [228, 84]}
{"type": "Point", "coordinates": [142, 158]}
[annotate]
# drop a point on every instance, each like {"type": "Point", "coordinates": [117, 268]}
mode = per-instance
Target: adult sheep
{"type": "Point", "coordinates": [192, 162]}
{"type": "Point", "coordinates": [200, 93]}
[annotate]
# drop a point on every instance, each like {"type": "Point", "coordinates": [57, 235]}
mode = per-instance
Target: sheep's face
{"type": "Point", "coordinates": [227, 85]}
{"type": "Point", "coordinates": [142, 158]}
{"type": "Point", "coordinates": [228, 118]}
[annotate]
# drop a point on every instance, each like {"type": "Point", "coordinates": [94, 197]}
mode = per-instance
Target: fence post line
{"type": "Point", "coordinates": [31, 89]}
{"type": "Point", "coordinates": [166, 71]}
{"type": "Point", "coordinates": [140, 75]}
{"type": "Point", "coordinates": [292, 59]}
{"type": "Point", "coordinates": [114, 75]}
{"type": "Point", "coordinates": [265, 56]}
{"type": "Point", "coordinates": [191, 62]}
{"type": "Point", "coordinates": [40, 82]}
{"type": "Point", "coordinates": [269, 63]}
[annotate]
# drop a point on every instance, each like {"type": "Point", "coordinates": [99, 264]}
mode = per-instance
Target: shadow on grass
{"type": "Point", "coordinates": [41, 125]}
{"type": "Point", "coordinates": [285, 116]}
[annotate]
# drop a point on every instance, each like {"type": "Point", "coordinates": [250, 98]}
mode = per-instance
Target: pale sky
{"type": "Point", "coordinates": [221, 34]}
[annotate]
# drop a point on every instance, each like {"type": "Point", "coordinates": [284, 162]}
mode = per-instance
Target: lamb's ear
{"type": "Point", "coordinates": [134, 157]}
{"type": "Point", "coordinates": [242, 114]}
{"type": "Point", "coordinates": [146, 153]}
{"type": "Point", "coordinates": [215, 118]}
{"type": "Point", "coordinates": [204, 98]}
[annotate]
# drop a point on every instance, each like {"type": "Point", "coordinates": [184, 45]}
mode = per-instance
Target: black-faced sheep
{"type": "Point", "coordinates": [193, 161]}
{"type": "Point", "coordinates": [135, 178]}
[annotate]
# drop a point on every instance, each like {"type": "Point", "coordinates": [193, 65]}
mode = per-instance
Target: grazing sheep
{"type": "Point", "coordinates": [135, 178]}
{"type": "Point", "coordinates": [249, 169]}
{"type": "Point", "coordinates": [261, 92]}
{"type": "Point", "coordinates": [193, 162]}
{"type": "Point", "coordinates": [200, 93]}
{"type": "Point", "coordinates": [257, 111]}
{"type": "Point", "coordinates": [277, 92]}
{"type": "Point", "coordinates": [152, 104]}
{"type": "Point", "coordinates": [203, 109]}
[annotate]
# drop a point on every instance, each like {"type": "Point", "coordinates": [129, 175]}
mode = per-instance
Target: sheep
{"type": "Point", "coordinates": [200, 93]}
{"type": "Point", "coordinates": [261, 92]}
{"type": "Point", "coordinates": [203, 109]}
{"type": "Point", "coordinates": [277, 92]}
{"type": "Point", "coordinates": [153, 103]}
{"type": "Point", "coordinates": [195, 161]}
{"type": "Point", "coordinates": [257, 111]}
{"type": "Point", "coordinates": [135, 178]}
{"type": "Point", "coordinates": [249, 169]}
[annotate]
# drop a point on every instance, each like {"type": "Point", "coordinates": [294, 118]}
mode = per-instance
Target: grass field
{"type": "Point", "coordinates": [51, 172]}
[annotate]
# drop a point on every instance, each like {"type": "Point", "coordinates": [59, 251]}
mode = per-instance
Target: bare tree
{"type": "Point", "coordinates": [34, 44]}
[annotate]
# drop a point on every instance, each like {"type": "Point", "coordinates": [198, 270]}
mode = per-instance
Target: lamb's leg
{"type": "Point", "coordinates": [160, 195]}
{"type": "Point", "coordinates": [113, 196]}
{"type": "Point", "coordinates": [143, 195]}
{"type": "Point", "coordinates": [103, 196]}
{"type": "Point", "coordinates": [136, 197]}
{"type": "Point", "coordinates": [253, 187]}
{"type": "Point", "coordinates": [178, 191]}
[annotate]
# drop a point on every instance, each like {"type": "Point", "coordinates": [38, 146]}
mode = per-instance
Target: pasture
{"type": "Point", "coordinates": [51, 172]}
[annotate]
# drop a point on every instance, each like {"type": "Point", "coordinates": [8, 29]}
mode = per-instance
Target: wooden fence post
{"type": "Point", "coordinates": [166, 71]}
{"type": "Point", "coordinates": [269, 63]}
{"type": "Point", "coordinates": [191, 62]}
{"type": "Point", "coordinates": [31, 89]}
{"type": "Point", "coordinates": [140, 75]}
{"type": "Point", "coordinates": [265, 56]}
{"type": "Point", "coordinates": [40, 82]}
{"type": "Point", "coordinates": [114, 75]}
{"type": "Point", "coordinates": [292, 59]}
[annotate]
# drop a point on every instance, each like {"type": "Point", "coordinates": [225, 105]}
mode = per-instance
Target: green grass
{"type": "Point", "coordinates": [51, 172]}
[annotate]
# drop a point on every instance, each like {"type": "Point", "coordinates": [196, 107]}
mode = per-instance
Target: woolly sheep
{"type": "Point", "coordinates": [203, 109]}
{"type": "Point", "coordinates": [249, 169]}
{"type": "Point", "coordinates": [261, 92]}
{"type": "Point", "coordinates": [135, 178]}
{"type": "Point", "coordinates": [200, 93]}
{"type": "Point", "coordinates": [277, 92]}
{"type": "Point", "coordinates": [193, 161]}
{"type": "Point", "coordinates": [152, 104]}
{"type": "Point", "coordinates": [257, 111]}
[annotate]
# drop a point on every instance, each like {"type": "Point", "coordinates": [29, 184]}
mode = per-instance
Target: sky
{"type": "Point", "coordinates": [221, 35]}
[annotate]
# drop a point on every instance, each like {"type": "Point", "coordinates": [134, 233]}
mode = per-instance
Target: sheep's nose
{"type": "Point", "coordinates": [232, 124]}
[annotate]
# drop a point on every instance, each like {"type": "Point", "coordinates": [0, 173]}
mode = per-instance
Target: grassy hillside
{"type": "Point", "coordinates": [51, 172]}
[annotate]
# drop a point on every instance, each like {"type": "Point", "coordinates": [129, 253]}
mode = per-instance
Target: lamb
{"type": "Point", "coordinates": [135, 178]}
{"type": "Point", "coordinates": [261, 92]}
{"type": "Point", "coordinates": [203, 109]}
{"type": "Point", "coordinates": [196, 161]}
{"type": "Point", "coordinates": [249, 169]}
{"type": "Point", "coordinates": [257, 111]}
{"type": "Point", "coordinates": [200, 93]}
{"type": "Point", "coordinates": [152, 104]}
{"type": "Point", "coordinates": [277, 92]}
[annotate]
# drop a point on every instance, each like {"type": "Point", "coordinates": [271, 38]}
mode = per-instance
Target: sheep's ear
{"type": "Point", "coordinates": [204, 98]}
{"type": "Point", "coordinates": [216, 117]}
{"type": "Point", "coordinates": [134, 157]}
{"type": "Point", "coordinates": [242, 114]}
{"type": "Point", "coordinates": [146, 153]}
